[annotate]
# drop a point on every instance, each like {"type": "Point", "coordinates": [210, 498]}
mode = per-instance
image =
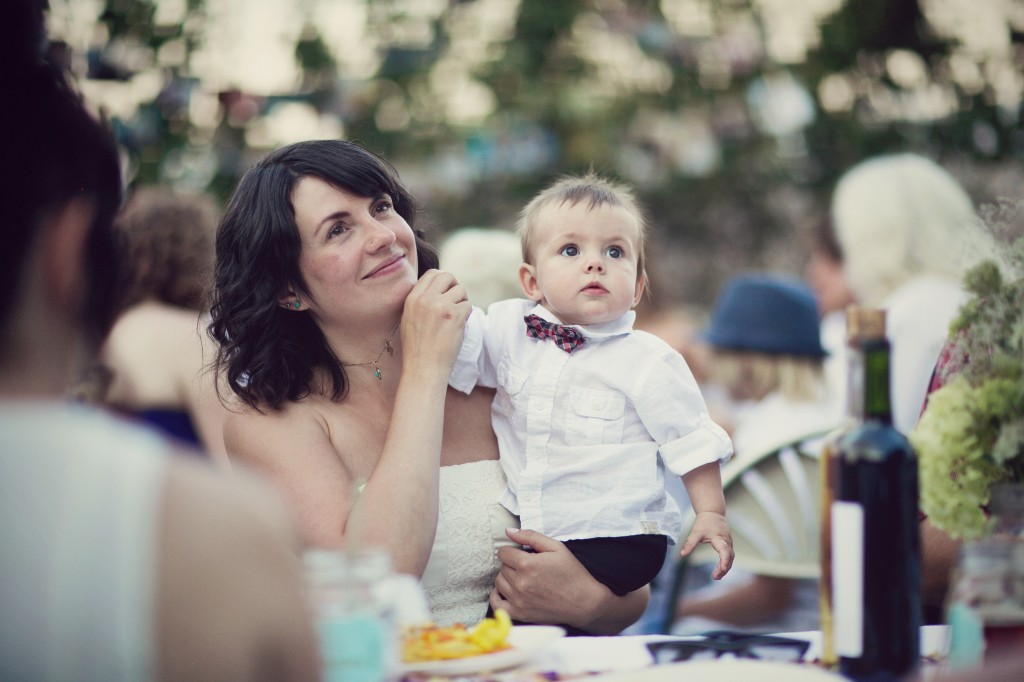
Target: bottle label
{"type": "Point", "coordinates": [848, 578]}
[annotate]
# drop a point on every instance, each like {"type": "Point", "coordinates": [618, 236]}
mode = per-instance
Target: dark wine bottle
{"type": "Point", "coordinates": [861, 324]}
{"type": "Point", "coordinates": [876, 551]}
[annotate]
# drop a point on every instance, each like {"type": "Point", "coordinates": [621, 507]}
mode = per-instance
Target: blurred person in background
{"type": "Point", "coordinates": [485, 261]}
{"type": "Point", "coordinates": [121, 560]}
{"type": "Point", "coordinates": [824, 273]}
{"type": "Point", "coordinates": [908, 232]}
{"type": "Point", "coordinates": [764, 332]}
{"type": "Point", "coordinates": [158, 350]}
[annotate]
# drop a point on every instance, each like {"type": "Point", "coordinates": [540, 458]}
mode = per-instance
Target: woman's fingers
{"type": "Point", "coordinates": [434, 319]}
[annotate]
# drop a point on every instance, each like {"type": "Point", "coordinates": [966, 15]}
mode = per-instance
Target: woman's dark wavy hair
{"type": "Point", "coordinates": [269, 355]}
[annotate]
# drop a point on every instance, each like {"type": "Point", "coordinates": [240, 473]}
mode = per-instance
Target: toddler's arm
{"type": "Point", "coordinates": [704, 486]}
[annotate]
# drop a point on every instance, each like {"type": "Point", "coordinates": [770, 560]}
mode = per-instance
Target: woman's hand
{"type": "Point", "coordinates": [433, 321]}
{"type": "Point", "coordinates": [549, 585]}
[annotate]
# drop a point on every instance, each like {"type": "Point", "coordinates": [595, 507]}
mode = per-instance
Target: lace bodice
{"type": "Point", "coordinates": [470, 527]}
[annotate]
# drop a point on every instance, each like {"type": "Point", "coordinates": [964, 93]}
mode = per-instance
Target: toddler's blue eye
{"type": "Point", "coordinates": [570, 250]}
{"type": "Point", "coordinates": [615, 252]}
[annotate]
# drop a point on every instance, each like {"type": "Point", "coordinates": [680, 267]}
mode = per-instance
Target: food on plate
{"type": "Point", "coordinates": [432, 643]}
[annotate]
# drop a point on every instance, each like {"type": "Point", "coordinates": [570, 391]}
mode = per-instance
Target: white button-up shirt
{"type": "Point", "coordinates": [585, 437]}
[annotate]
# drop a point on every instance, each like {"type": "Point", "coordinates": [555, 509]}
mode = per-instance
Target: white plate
{"type": "Point", "coordinates": [725, 670]}
{"type": "Point", "coordinates": [524, 641]}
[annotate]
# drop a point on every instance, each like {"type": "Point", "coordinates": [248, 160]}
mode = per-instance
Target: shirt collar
{"type": "Point", "coordinates": [617, 327]}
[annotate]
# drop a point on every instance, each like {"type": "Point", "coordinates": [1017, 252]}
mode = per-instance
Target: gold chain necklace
{"type": "Point", "coordinates": [376, 361]}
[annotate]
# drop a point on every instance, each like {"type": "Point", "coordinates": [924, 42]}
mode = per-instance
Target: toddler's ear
{"type": "Point", "coordinates": [641, 284]}
{"type": "Point", "coordinates": [528, 280]}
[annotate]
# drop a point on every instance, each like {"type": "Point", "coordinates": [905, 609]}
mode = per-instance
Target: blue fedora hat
{"type": "Point", "coordinates": [766, 313]}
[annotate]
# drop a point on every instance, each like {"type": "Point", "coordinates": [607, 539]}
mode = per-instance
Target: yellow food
{"type": "Point", "coordinates": [433, 643]}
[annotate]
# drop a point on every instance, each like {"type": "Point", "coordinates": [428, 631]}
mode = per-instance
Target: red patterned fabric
{"type": "Point", "coordinates": [567, 338]}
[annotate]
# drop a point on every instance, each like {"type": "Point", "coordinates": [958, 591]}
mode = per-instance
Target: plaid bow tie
{"type": "Point", "coordinates": [566, 338]}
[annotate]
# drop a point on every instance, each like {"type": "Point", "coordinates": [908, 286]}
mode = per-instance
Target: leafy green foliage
{"type": "Point", "coordinates": [972, 433]}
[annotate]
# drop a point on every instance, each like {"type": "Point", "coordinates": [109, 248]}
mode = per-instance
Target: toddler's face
{"type": "Point", "coordinates": [584, 263]}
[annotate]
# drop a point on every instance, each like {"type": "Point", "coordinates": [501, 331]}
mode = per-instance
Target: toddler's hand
{"type": "Point", "coordinates": [711, 527]}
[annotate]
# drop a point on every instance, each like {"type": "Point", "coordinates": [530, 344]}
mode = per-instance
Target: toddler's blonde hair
{"type": "Point", "coordinates": [573, 190]}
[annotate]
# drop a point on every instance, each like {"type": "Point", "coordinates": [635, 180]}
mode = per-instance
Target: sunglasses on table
{"type": "Point", "coordinates": [726, 643]}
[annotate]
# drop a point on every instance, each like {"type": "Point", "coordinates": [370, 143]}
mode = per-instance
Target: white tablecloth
{"type": "Point", "coordinates": [578, 655]}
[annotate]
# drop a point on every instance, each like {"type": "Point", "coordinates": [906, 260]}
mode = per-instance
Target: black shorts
{"type": "Point", "coordinates": [623, 564]}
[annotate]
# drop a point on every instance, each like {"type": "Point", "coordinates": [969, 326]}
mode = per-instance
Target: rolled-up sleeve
{"type": "Point", "coordinates": [674, 412]}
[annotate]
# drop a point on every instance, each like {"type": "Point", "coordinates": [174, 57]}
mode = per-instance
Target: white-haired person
{"type": "Point", "coordinates": [909, 232]}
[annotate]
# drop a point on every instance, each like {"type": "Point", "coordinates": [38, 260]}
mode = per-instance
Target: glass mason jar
{"type": "Point", "coordinates": [354, 612]}
{"type": "Point", "coordinates": [985, 609]}
{"type": "Point", "coordinates": [1005, 627]}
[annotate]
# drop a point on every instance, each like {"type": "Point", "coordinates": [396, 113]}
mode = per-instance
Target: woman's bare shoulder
{"type": "Point", "coordinates": [154, 319]}
{"type": "Point", "coordinates": [153, 350]}
{"type": "Point", "coordinates": [214, 528]}
{"type": "Point", "coordinates": [253, 434]}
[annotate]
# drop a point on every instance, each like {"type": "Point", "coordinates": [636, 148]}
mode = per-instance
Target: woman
{"type": "Point", "coordinates": [824, 274]}
{"type": "Point", "coordinates": [908, 233]}
{"type": "Point", "coordinates": [121, 555]}
{"type": "Point", "coordinates": [156, 351]}
{"type": "Point", "coordinates": [337, 338]}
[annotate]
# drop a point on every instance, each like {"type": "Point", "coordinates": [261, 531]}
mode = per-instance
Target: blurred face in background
{"type": "Point", "coordinates": [825, 276]}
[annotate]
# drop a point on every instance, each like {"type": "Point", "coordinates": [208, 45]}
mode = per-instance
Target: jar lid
{"type": "Point", "coordinates": [355, 565]}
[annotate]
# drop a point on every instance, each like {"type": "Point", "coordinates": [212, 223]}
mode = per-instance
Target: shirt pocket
{"type": "Point", "coordinates": [511, 396]}
{"type": "Point", "coordinates": [594, 416]}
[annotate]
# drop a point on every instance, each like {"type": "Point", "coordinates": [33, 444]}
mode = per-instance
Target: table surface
{"type": "Point", "coordinates": [578, 657]}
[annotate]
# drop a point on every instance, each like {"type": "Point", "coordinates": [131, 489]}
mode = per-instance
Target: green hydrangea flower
{"type": "Point", "coordinates": [971, 434]}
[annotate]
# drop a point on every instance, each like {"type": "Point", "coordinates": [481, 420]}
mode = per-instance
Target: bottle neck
{"type": "Point", "coordinates": [855, 384]}
{"type": "Point", "coordinates": [876, 404]}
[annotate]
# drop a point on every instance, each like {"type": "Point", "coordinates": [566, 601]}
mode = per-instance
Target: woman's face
{"type": "Point", "coordinates": [826, 277]}
{"type": "Point", "coordinates": [358, 254]}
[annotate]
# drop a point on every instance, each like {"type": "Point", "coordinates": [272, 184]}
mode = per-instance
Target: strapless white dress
{"type": "Point", "coordinates": [471, 526]}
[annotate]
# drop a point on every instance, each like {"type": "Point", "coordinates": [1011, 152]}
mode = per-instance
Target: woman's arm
{"type": "Point", "coordinates": [759, 600]}
{"type": "Point", "coordinates": [396, 509]}
{"type": "Point", "coordinates": [229, 600]}
{"type": "Point", "coordinates": [400, 500]}
{"type": "Point", "coordinates": [318, 471]}
{"type": "Point", "coordinates": [938, 555]}
{"type": "Point", "coordinates": [549, 585]}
